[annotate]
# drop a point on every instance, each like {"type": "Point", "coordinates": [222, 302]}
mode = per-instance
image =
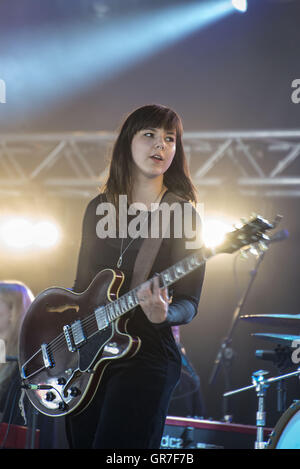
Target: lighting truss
{"type": "Point", "coordinates": [75, 164]}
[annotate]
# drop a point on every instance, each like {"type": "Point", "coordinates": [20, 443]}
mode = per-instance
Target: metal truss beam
{"type": "Point", "coordinates": [75, 164]}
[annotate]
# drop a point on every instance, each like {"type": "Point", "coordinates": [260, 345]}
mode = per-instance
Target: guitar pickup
{"type": "Point", "coordinates": [74, 335]}
{"type": "Point", "coordinates": [78, 333]}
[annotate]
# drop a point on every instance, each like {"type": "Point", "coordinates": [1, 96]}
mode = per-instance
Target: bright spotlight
{"type": "Point", "coordinates": [240, 5]}
{"type": "Point", "coordinates": [45, 234]}
{"type": "Point", "coordinates": [21, 233]}
{"type": "Point", "coordinates": [93, 53]}
{"type": "Point", "coordinates": [16, 233]}
{"type": "Point", "coordinates": [214, 231]}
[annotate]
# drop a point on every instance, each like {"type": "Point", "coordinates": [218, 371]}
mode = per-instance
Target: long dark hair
{"type": "Point", "coordinates": [177, 178]}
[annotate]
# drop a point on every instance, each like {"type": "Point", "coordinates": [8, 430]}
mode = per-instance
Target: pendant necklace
{"type": "Point", "coordinates": [120, 260]}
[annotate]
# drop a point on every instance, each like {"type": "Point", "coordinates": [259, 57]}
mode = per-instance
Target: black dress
{"type": "Point", "coordinates": [131, 403]}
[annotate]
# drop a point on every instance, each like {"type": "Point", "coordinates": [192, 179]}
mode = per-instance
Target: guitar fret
{"type": "Point", "coordinates": [134, 296]}
{"type": "Point", "coordinates": [101, 317]}
{"type": "Point", "coordinates": [116, 307]}
{"type": "Point", "coordinates": [112, 311]}
{"type": "Point", "coordinates": [172, 273]}
{"type": "Point", "coordinates": [179, 269]}
{"type": "Point", "coordinates": [194, 261]}
{"type": "Point", "coordinates": [131, 300]}
{"type": "Point", "coordinates": [123, 304]}
{"type": "Point", "coordinates": [166, 278]}
{"type": "Point", "coordinates": [185, 266]}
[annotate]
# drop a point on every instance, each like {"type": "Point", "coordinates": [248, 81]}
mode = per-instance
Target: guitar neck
{"type": "Point", "coordinates": [114, 310]}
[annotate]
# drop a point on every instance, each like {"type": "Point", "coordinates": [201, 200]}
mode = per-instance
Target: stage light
{"type": "Point", "coordinates": [214, 230]}
{"type": "Point", "coordinates": [21, 233]}
{"type": "Point", "coordinates": [59, 63]}
{"type": "Point", "coordinates": [16, 233]}
{"type": "Point", "coordinates": [240, 5]}
{"type": "Point", "coordinates": [45, 234]}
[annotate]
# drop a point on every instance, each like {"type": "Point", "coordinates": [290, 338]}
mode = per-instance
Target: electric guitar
{"type": "Point", "coordinates": [67, 339]}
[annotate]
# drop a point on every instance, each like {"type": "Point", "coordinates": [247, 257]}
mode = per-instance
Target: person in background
{"type": "Point", "coordinates": [15, 299]}
{"type": "Point", "coordinates": [187, 399]}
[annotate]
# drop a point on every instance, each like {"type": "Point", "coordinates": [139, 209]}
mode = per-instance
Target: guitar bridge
{"type": "Point", "coordinates": [47, 356]}
{"type": "Point", "coordinates": [69, 338]}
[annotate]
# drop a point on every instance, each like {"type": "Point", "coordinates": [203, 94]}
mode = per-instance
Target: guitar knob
{"type": "Point", "coordinates": [61, 381]}
{"type": "Point", "coordinates": [62, 405]}
{"type": "Point", "coordinates": [74, 392]}
{"type": "Point", "coordinates": [50, 396]}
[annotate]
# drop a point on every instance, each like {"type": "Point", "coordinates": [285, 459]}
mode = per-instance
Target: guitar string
{"type": "Point", "coordinates": [57, 343]}
{"type": "Point", "coordinates": [86, 323]}
{"type": "Point", "coordinates": [54, 345]}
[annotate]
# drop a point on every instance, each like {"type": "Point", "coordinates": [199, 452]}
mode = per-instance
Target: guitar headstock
{"type": "Point", "coordinates": [243, 236]}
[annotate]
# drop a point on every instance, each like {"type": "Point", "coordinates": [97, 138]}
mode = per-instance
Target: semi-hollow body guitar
{"type": "Point", "coordinates": [67, 339]}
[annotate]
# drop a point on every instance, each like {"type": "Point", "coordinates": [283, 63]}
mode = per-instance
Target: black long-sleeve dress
{"type": "Point", "coordinates": [130, 406]}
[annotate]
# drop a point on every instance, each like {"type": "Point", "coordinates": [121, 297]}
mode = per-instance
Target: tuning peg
{"type": "Point", "coordinates": [243, 254]}
{"type": "Point", "coordinates": [263, 246]}
{"type": "Point", "coordinates": [254, 251]}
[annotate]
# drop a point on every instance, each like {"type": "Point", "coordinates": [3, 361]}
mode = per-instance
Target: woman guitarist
{"type": "Point", "coordinates": [148, 161]}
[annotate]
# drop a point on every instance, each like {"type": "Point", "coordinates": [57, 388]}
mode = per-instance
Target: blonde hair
{"type": "Point", "coordinates": [18, 298]}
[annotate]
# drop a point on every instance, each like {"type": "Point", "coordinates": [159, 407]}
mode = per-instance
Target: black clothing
{"type": "Point", "coordinates": [132, 400]}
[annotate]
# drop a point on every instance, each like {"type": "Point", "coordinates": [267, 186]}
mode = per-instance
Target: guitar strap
{"type": "Point", "coordinates": [150, 246]}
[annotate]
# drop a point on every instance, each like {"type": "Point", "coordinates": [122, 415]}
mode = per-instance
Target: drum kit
{"type": "Point", "coordinates": [286, 434]}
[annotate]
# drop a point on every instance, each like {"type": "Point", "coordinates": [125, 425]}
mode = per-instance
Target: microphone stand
{"type": "Point", "coordinates": [281, 358]}
{"type": "Point", "coordinates": [260, 384]}
{"type": "Point", "coordinates": [225, 354]}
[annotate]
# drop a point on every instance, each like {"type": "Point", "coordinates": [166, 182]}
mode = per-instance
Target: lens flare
{"type": "Point", "coordinates": [214, 230]}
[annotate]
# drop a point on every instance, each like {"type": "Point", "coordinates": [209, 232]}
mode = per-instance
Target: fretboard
{"type": "Point", "coordinates": [106, 314]}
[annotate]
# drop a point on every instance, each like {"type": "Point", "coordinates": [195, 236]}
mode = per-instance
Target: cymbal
{"type": "Point", "coordinates": [284, 339]}
{"type": "Point", "coordinates": [275, 319]}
